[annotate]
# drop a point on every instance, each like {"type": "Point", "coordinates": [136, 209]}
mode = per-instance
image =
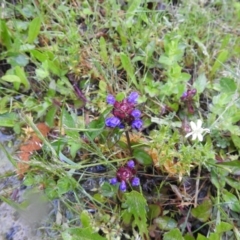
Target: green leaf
{"type": "Point", "coordinates": [223, 227]}
{"type": "Point", "coordinates": [203, 211]}
{"type": "Point", "coordinates": [201, 237]}
{"type": "Point", "coordinates": [11, 78]}
{"type": "Point", "coordinates": [97, 124]}
{"type": "Point", "coordinates": [102, 86]}
{"type": "Point", "coordinates": [85, 219]}
{"type": "Point", "coordinates": [34, 29]}
{"type": "Point", "coordinates": [8, 119]}
{"type": "Point", "coordinates": [65, 184]}
{"type": "Point", "coordinates": [173, 234]}
{"type": "Point", "coordinates": [200, 83]}
{"type": "Point", "coordinates": [50, 117]}
{"type": "Point", "coordinates": [221, 58]}
{"type": "Point", "coordinates": [232, 182]}
{"type": "Point", "coordinates": [136, 205]}
{"type": "Point", "coordinates": [21, 74]}
{"type": "Point", "coordinates": [142, 157]}
{"type": "Point", "coordinates": [165, 223]}
{"type": "Point", "coordinates": [103, 50]}
{"type": "Point", "coordinates": [228, 85]}
{"type": "Point", "coordinates": [5, 38]}
{"type": "Point", "coordinates": [128, 67]}
{"type": "Point", "coordinates": [70, 125]}
{"type": "Point", "coordinates": [231, 166]}
{"type": "Point", "coordinates": [154, 211]}
{"type": "Point", "coordinates": [231, 201]}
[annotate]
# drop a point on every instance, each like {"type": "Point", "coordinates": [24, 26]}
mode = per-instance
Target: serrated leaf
{"type": "Point", "coordinates": [173, 234]}
{"type": "Point", "coordinates": [203, 211]}
{"type": "Point", "coordinates": [142, 157]}
{"type": "Point", "coordinates": [34, 29]}
{"type": "Point", "coordinates": [136, 205]}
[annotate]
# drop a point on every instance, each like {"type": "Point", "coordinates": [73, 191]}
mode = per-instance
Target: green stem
{"type": "Point", "coordinates": [129, 143]}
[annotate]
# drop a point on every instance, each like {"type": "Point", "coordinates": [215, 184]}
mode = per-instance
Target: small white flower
{"type": "Point", "coordinates": [197, 130]}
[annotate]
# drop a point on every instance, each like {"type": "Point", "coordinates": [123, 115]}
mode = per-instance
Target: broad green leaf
{"type": "Point", "coordinates": [65, 184]}
{"type": "Point", "coordinates": [165, 223]}
{"type": "Point", "coordinates": [34, 29]}
{"type": "Point", "coordinates": [21, 74]}
{"type": "Point", "coordinates": [228, 85]}
{"type": "Point", "coordinates": [201, 237]}
{"type": "Point", "coordinates": [102, 86]}
{"type": "Point", "coordinates": [136, 205]}
{"type": "Point", "coordinates": [5, 38]}
{"type": "Point", "coordinates": [203, 211]}
{"type": "Point", "coordinates": [84, 234]}
{"type": "Point", "coordinates": [8, 119]}
{"type": "Point", "coordinates": [97, 124]}
{"type": "Point", "coordinates": [231, 200]}
{"type": "Point", "coordinates": [236, 141]}
{"type": "Point", "coordinates": [11, 78]}
{"type": "Point", "coordinates": [142, 157]}
{"type": "Point", "coordinates": [69, 125]}
{"type": "Point", "coordinates": [223, 227]}
{"type": "Point", "coordinates": [154, 211]}
{"type": "Point", "coordinates": [200, 83]}
{"type": "Point", "coordinates": [85, 219]}
{"type": "Point", "coordinates": [173, 234]}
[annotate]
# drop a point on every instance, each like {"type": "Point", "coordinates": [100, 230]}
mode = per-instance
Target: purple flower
{"type": "Point", "coordinates": [136, 113]}
{"type": "Point", "coordinates": [132, 98]}
{"type": "Point", "coordinates": [110, 99]}
{"type": "Point", "coordinates": [135, 182]}
{"type": "Point", "coordinates": [137, 123]}
{"type": "Point", "coordinates": [131, 164]}
{"type": "Point", "coordinates": [112, 122]}
{"type": "Point", "coordinates": [123, 186]}
{"type": "Point", "coordinates": [113, 181]}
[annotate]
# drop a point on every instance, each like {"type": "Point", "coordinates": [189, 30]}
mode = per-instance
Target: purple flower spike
{"type": "Point", "coordinates": [136, 113]}
{"type": "Point", "coordinates": [110, 99]}
{"type": "Point", "coordinates": [133, 97]}
{"type": "Point", "coordinates": [123, 186]}
{"type": "Point", "coordinates": [135, 182]}
{"type": "Point", "coordinates": [112, 122]}
{"type": "Point", "coordinates": [113, 181]}
{"type": "Point", "coordinates": [137, 123]}
{"type": "Point", "coordinates": [131, 164]}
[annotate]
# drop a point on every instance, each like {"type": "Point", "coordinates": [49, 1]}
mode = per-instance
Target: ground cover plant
{"type": "Point", "coordinates": [127, 113]}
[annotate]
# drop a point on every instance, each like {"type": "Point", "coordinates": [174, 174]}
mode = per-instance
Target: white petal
{"type": "Point", "coordinates": [200, 137]}
{"type": "Point", "coordinates": [193, 125]}
{"type": "Point", "coordinates": [189, 134]}
{"type": "Point", "coordinates": [199, 123]}
{"type": "Point", "coordinates": [194, 136]}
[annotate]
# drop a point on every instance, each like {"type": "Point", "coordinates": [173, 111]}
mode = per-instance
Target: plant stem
{"type": "Point", "coordinates": [128, 141]}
